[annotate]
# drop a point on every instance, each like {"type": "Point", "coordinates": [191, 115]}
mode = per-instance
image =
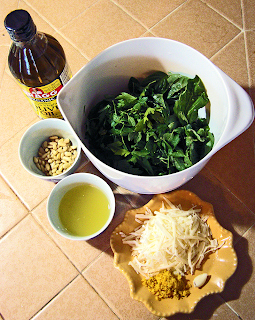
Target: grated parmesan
{"type": "Point", "coordinates": [170, 238]}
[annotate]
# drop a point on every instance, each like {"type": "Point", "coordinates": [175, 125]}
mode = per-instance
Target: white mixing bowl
{"type": "Point", "coordinates": [231, 110]}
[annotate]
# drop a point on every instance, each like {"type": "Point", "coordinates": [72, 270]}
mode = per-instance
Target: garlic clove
{"type": "Point", "coordinates": [200, 280]}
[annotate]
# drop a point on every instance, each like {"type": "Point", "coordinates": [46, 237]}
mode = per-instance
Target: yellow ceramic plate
{"type": "Point", "coordinates": [219, 265]}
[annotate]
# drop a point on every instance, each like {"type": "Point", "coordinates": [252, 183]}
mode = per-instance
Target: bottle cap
{"type": "Point", "coordinates": [20, 25]}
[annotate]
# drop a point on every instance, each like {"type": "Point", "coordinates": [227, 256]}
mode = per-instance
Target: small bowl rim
{"type": "Point", "coordinates": [42, 176]}
{"type": "Point", "coordinates": [88, 178]}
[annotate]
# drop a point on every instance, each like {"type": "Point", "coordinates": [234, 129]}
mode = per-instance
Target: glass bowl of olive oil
{"type": "Point", "coordinates": [81, 206]}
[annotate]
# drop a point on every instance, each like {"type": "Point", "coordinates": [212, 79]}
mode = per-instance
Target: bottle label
{"type": "Point", "coordinates": [44, 98]}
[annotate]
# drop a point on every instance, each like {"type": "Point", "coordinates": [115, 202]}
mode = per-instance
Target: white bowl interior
{"type": "Point", "coordinates": [109, 73]}
{"type": "Point", "coordinates": [65, 185]}
{"type": "Point", "coordinates": [36, 135]}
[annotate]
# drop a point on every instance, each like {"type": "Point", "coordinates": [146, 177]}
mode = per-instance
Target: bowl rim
{"type": "Point", "coordinates": [202, 161]}
{"type": "Point", "coordinates": [40, 125]}
{"type": "Point", "coordinates": [86, 178]}
{"type": "Point", "coordinates": [118, 176]}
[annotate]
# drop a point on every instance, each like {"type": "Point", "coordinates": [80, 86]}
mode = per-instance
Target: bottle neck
{"type": "Point", "coordinates": [20, 26]}
{"type": "Point", "coordinates": [38, 37]}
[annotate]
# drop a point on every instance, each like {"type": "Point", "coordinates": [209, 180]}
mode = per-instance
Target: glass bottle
{"type": "Point", "coordinates": [38, 63]}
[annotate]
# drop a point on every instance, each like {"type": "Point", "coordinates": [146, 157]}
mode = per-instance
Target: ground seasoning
{"type": "Point", "coordinates": [167, 285]}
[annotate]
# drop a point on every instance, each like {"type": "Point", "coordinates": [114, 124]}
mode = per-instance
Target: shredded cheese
{"type": "Point", "coordinates": [170, 238]}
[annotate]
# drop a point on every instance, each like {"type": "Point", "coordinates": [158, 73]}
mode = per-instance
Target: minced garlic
{"type": "Point", "coordinates": [166, 284]}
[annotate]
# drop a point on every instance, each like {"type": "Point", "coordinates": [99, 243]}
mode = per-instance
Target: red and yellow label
{"type": "Point", "coordinates": [44, 98]}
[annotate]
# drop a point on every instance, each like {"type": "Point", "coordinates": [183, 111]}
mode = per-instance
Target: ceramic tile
{"type": "Point", "coordinates": [250, 41]}
{"type": "Point", "coordinates": [147, 34]}
{"type": "Point", "coordinates": [6, 7]}
{"type": "Point", "coordinates": [149, 12]}
{"type": "Point", "coordinates": [90, 168]}
{"type": "Point", "coordinates": [201, 27]}
{"type": "Point", "coordinates": [4, 50]}
{"type": "Point", "coordinates": [15, 110]}
{"type": "Point", "coordinates": [136, 200]}
{"type": "Point", "coordinates": [94, 38]}
{"type": "Point", "coordinates": [232, 60]}
{"type": "Point", "coordinates": [118, 298]}
{"type": "Point", "coordinates": [75, 301]}
{"type": "Point", "coordinates": [212, 307]}
{"type": "Point", "coordinates": [11, 209]}
{"type": "Point", "coordinates": [248, 14]}
{"type": "Point", "coordinates": [232, 10]}
{"type": "Point", "coordinates": [232, 214]}
{"type": "Point", "coordinates": [61, 12]}
{"type": "Point", "coordinates": [41, 24]}
{"type": "Point", "coordinates": [29, 189]}
{"type": "Point", "coordinates": [240, 291]}
{"type": "Point", "coordinates": [113, 287]}
{"type": "Point", "coordinates": [234, 167]}
{"type": "Point", "coordinates": [81, 253]}
{"type": "Point", "coordinates": [33, 270]}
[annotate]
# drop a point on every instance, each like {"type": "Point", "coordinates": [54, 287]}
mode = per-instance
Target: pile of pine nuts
{"type": "Point", "coordinates": [55, 156]}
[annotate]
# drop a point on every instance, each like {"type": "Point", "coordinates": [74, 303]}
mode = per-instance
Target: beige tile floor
{"type": "Point", "coordinates": [44, 276]}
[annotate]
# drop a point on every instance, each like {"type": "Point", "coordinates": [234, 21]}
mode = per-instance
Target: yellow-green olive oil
{"type": "Point", "coordinates": [84, 210]}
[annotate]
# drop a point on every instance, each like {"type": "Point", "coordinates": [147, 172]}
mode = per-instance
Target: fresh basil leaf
{"type": "Point", "coordinates": [140, 126]}
{"type": "Point", "coordinates": [158, 81]}
{"type": "Point", "coordinates": [177, 86]}
{"type": "Point", "coordinates": [154, 129]}
{"type": "Point", "coordinates": [134, 86]}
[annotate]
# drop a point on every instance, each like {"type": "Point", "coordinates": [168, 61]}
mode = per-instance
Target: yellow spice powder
{"type": "Point", "coordinates": [167, 285]}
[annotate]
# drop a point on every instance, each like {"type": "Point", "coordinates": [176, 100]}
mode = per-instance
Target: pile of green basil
{"type": "Point", "coordinates": [154, 129]}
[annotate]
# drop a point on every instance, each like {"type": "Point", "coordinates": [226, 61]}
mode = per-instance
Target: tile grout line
{"type": "Point", "coordinates": [12, 189]}
{"type": "Point", "coordinates": [230, 191]}
{"type": "Point", "coordinates": [28, 124]}
{"type": "Point", "coordinates": [233, 310]}
{"type": "Point", "coordinates": [51, 299]}
{"type": "Point", "coordinates": [14, 226]}
{"type": "Point", "coordinates": [150, 29]}
{"type": "Point", "coordinates": [52, 239]}
{"type": "Point", "coordinates": [58, 30]}
{"type": "Point", "coordinates": [93, 286]}
{"type": "Point", "coordinates": [223, 16]}
{"type": "Point", "coordinates": [243, 235]}
{"type": "Point", "coordinates": [79, 272]}
{"type": "Point", "coordinates": [130, 15]}
{"type": "Point", "coordinates": [229, 42]}
{"type": "Point", "coordinates": [246, 46]}
{"type": "Point", "coordinates": [226, 303]}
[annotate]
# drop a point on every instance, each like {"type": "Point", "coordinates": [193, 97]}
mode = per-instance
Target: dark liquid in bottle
{"type": "Point", "coordinates": [38, 62]}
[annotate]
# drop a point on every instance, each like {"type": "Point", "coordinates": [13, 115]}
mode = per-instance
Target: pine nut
{"type": "Point", "coordinates": [44, 145]}
{"type": "Point", "coordinates": [53, 137]}
{"type": "Point", "coordinates": [45, 155]}
{"type": "Point", "coordinates": [66, 158]}
{"type": "Point", "coordinates": [55, 155]}
{"type": "Point", "coordinates": [66, 165]}
{"type": "Point", "coordinates": [68, 154]}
